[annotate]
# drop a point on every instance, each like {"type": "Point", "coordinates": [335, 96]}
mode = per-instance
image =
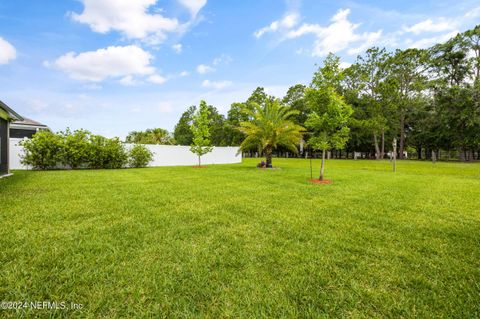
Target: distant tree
{"type": "Point", "coordinates": [259, 97]}
{"type": "Point", "coordinates": [182, 132]}
{"type": "Point", "coordinates": [330, 114]}
{"type": "Point", "coordinates": [368, 75]}
{"type": "Point", "coordinates": [271, 127]}
{"type": "Point", "coordinates": [235, 116]}
{"type": "Point", "coordinates": [217, 127]}
{"type": "Point", "coordinates": [150, 136]}
{"type": "Point", "coordinates": [295, 99]}
{"type": "Point", "coordinates": [200, 127]}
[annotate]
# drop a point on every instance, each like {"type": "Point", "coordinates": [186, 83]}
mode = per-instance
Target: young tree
{"type": "Point", "coordinates": [271, 127]}
{"type": "Point", "coordinates": [330, 113]}
{"type": "Point", "coordinates": [200, 128]}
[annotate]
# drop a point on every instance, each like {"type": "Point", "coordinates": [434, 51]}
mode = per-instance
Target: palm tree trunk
{"type": "Point", "coordinates": [268, 156]}
{"type": "Point", "coordinates": [322, 168]}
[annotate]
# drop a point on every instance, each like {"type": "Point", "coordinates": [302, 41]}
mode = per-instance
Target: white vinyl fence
{"type": "Point", "coordinates": [163, 155]}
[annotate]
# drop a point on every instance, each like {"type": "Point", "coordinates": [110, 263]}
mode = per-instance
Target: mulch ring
{"type": "Point", "coordinates": [319, 182]}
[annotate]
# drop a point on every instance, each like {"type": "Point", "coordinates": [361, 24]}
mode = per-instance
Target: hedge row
{"type": "Point", "coordinates": [81, 149]}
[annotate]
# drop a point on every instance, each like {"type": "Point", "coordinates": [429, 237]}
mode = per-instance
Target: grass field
{"type": "Point", "coordinates": [234, 241]}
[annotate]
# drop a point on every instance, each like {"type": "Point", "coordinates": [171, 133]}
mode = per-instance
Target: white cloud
{"type": "Point", "coordinates": [223, 59]}
{"type": "Point", "coordinates": [345, 65]}
{"type": "Point", "coordinates": [157, 79]}
{"type": "Point", "coordinates": [203, 69]}
{"type": "Point", "coordinates": [430, 26]}
{"type": "Point", "coordinates": [427, 42]}
{"type": "Point", "coordinates": [7, 52]}
{"type": "Point", "coordinates": [114, 61]}
{"type": "Point", "coordinates": [184, 73]}
{"type": "Point", "coordinates": [338, 36]}
{"type": "Point", "coordinates": [369, 40]}
{"type": "Point", "coordinates": [472, 14]}
{"type": "Point", "coordinates": [218, 85]}
{"type": "Point", "coordinates": [128, 81]}
{"type": "Point", "coordinates": [288, 21]}
{"type": "Point", "coordinates": [132, 18]}
{"type": "Point", "coordinates": [177, 48]}
{"type": "Point", "coordinates": [194, 6]}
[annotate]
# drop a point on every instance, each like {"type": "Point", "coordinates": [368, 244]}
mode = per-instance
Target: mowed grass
{"type": "Point", "coordinates": [234, 241]}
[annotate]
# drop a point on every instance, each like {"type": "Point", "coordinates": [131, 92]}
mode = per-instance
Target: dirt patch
{"type": "Point", "coordinates": [319, 182]}
{"type": "Point", "coordinates": [199, 166]}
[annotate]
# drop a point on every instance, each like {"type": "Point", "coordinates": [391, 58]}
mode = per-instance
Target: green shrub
{"type": "Point", "coordinates": [42, 151]}
{"type": "Point", "coordinates": [107, 153]}
{"type": "Point", "coordinates": [76, 148]}
{"type": "Point", "coordinates": [97, 154]}
{"type": "Point", "coordinates": [139, 156]}
{"type": "Point", "coordinates": [79, 148]}
{"type": "Point", "coordinates": [114, 154]}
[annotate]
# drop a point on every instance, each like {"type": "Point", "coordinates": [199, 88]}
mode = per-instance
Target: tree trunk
{"type": "Point", "coordinates": [377, 148]}
{"type": "Point", "coordinates": [394, 155]}
{"type": "Point", "coordinates": [199, 161]}
{"type": "Point", "coordinates": [402, 136]}
{"type": "Point", "coordinates": [268, 156]}
{"type": "Point", "coordinates": [382, 152]}
{"type": "Point", "coordinates": [322, 168]}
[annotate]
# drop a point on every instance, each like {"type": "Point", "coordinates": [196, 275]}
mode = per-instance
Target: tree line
{"type": "Point", "coordinates": [428, 99]}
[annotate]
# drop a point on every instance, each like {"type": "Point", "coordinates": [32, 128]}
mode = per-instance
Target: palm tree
{"type": "Point", "coordinates": [271, 127]}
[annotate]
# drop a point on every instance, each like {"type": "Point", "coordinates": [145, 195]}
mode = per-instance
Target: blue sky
{"type": "Point", "coordinates": [113, 66]}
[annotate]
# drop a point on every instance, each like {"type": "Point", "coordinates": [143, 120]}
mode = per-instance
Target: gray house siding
{"type": "Point", "coordinates": [3, 147]}
{"type": "Point", "coordinates": [18, 133]}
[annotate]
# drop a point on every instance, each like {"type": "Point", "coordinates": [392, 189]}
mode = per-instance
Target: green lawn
{"type": "Point", "coordinates": [234, 241]}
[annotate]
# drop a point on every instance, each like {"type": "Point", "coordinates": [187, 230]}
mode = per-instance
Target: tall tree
{"type": "Point", "coordinates": [407, 75]}
{"type": "Point", "coordinates": [369, 73]}
{"type": "Point", "coordinates": [271, 127]}
{"type": "Point", "coordinates": [330, 114]}
{"type": "Point", "coordinates": [200, 127]}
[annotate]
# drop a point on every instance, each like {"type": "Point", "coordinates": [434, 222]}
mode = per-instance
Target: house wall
{"type": "Point", "coordinates": [163, 155]}
{"type": "Point", "coordinates": [3, 146]}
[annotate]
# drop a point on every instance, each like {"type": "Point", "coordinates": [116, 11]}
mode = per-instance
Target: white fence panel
{"type": "Point", "coordinates": [163, 155]}
{"type": "Point", "coordinates": [15, 151]}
